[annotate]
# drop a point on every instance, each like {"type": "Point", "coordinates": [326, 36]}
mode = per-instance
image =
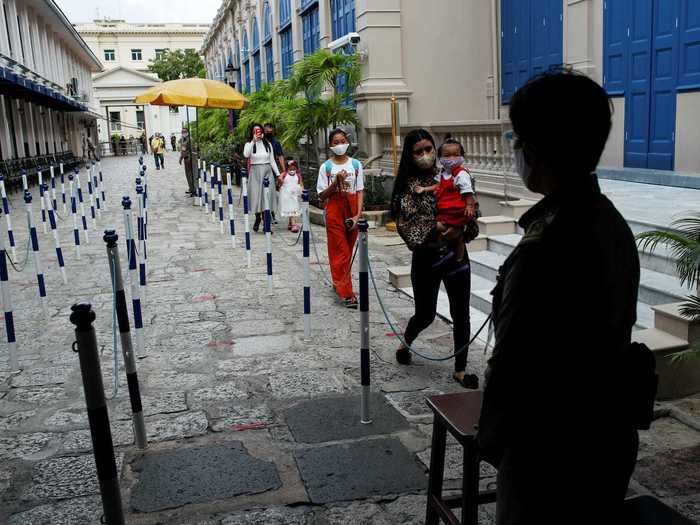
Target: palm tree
{"type": "Point", "coordinates": [683, 239]}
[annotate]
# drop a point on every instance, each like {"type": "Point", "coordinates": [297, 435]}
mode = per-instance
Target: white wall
{"type": "Point", "coordinates": [688, 132]}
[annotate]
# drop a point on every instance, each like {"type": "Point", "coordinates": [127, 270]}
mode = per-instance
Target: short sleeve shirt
{"type": "Point", "coordinates": [354, 181]}
{"type": "Point", "coordinates": [277, 148]}
{"type": "Point", "coordinates": [462, 181]}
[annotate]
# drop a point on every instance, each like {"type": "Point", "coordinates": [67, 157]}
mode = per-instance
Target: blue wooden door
{"type": "Point", "coordinates": [638, 97]}
{"type": "Point", "coordinates": [664, 71]}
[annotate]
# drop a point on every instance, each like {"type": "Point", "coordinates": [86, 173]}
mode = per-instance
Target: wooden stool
{"type": "Point", "coordinates": [458, 414]}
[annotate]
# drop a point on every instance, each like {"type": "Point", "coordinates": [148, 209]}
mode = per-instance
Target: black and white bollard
{"type": "Point", "coordinates": [132, 259]}
{"type": "Point", "coordinates": [25, 186]}
{"type": "Point", "coordinates": [364, 321]}
{"type": "Point", "coordinates": [6, 211]}
{"type": "Point", "coordinates": [146, 198]}
{"type": "Point", "coordinates": [81, 202]}
{"type": "Point", "coordinates": [54, 230]}
{"type": "Point", "coordinates": [246, 216]}
{"type": "Point", "coordinates": [199, 181]}
{"type": "Point", "coordinates": [212, 196]}
{"type": "Point", "coordinates": [268, 231]}
{"type": "Point", "coordinates": [42, 204]}
{"type": "Point", "coordinates": [6, 299]}
{"type": "Point", "coordinates": [306, 227]}
{"type": "Point", "coordinates": [63, 187]}
{"type": "Point", "coordinates": [110, 237]}
{"type": "Point", "coordinates": [96, 189]}
{"type": "Point", "coordinates": [53, 186]}
{"type": "Point", "coordinates": [102, 446]}
{"type": "Point", "coordinates": [35, 251]}
{"type": "Point", "coordinates": [74, 214]}
{"type": "Point", "coordinates": [102, 186]}
{"type": "Point", "coordinates": [229, 195]}
{"type": "Point", "coordinates": [205, 187]}
{"type": "Point", "coordinates": [141, 229]}
{"type": "Point", "coordinates": [88, 173]}
{"type": "Point", "coordinates": [220, 203]}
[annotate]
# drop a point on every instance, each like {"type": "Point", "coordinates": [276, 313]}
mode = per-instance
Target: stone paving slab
{"type": "Point", "coordinates": [338, 418]}
{"type": "Point", "coordinates": [76, 511]}
{"type": "Point", "coordinates": [199, 474]}
{"type": "Point", "coordinates": [359, 470]}
{"type": "Point", "coordinates": [675, 473]}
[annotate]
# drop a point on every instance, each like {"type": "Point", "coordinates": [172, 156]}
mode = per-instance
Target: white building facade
{"type": "Point", "coordinates": [46, 98]}
{"type": "Point", "coordinates": [454, 65]}
{"type": "Point", "coordinates": [125, 50]}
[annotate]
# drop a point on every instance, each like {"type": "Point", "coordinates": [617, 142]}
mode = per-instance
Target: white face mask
{"type": "Point", "coordinates": [340, 149]}
{"type": "Point", "coordinates": [426, 161]}
{"type": "Point", "coordinates": [522, 167]}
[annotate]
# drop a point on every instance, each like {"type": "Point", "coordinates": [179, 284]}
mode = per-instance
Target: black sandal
{"type": "Point", "coordinates": [469, 381]}
{"type": "Point", "coordinates": [403, 356]}
{"type": "Point", "coordinates": [351, 303]}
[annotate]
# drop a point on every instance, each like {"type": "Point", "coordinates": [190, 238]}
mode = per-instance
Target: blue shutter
{"type": "Point", "coordinates": [664, 72]}
{"type": "Point", "coordinates": [554, 21]}
{"type": "Point", "coordinates": [522, 41]}
{"type": "Point", "coordinates": [269, 63]}
{"type": "Point", "coordinates": [507, 45]}
{"type": "Point", "coordinates": [287, 51]}
{"type": "Point", "coordinates": [257, 70]}
{"type": "Point", "coordinates": [539, 42]}
{"type": "Point", "coordinates": [637, 101]}
{"type": "Point", "coordinates": [689, 59]}
{"type": "Point", "coordinates": [615, 53]}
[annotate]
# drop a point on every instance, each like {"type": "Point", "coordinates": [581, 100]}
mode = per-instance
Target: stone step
{"type": "Point", "coordinates": [677, 378]}
{"type": "Point", "coordinates": [667, 318]}
{"type": "Point", "coordinates": [400, 276]}
{"type": "Point", "coordinates": [480, 244]}
{"type": "Point", "coordinates": [516, 208]}
{"type": "Point", "coordinates": [496, 225]}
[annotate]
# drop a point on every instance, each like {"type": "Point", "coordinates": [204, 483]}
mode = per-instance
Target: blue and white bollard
{"type": "Point", "coordinates": [63, 187]}
{"type": "Point", "coordinates": [205, 187]}
{"type": "Point", "coordinates": [141, 229]}
{"type": "Point", "coordinates": [81, 201]}
{"type": "Point", "coordinates": [6, 211]}
{"type": "Point", "coordinates": [25, 186]}
{"type": "Point", "coordinates": [306, 228]}
{"type": "Point", "coordinates": [246, 216]}
{"type": "Point", "coordinates": [199, 181]}
{"type": "Point", "coordinates": [54, 230]}
{"type": "Point", "coordinates": [35, 250]}
{"type": "Point", "coordinates": [229, 194]}
{"type": "Point", "coordinates": [74, 214]}
{"type": "Point", "coordinates": [102, 186]}
{"type": "Point", "coordinates": [41, 199]}
{"type": "Point", "coordinates": [132, 260]}
{"type": "Point", "coordinates": [364, 321]}
{"type": "Point", "coordinates": [212, 178]}
{"type": "Point", "coordinates": [53, 187]}
{"type": "Point", "coordinates": [6, 299]}
{"type": "Point", "coordinates": [92, 198]}
{"type": "Point", "coordinates": [268, 231]}
{"type": "Point", "coordinates": [219, 185]}
{"type": "Point", "coordinates": [96, 188]}
{"type": "Point", "coordinates": [146, 199]}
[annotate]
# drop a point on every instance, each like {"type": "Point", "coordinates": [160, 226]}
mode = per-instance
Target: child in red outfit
{"type": "Point", "coordinates": [454, 194]}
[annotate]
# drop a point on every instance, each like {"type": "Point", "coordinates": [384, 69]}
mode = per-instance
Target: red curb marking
{"type": "Point", "coordinates": [200, 270]}
{"type": "Point", "coordinates": [205, 297]}
{"type": "Point", "coordinates": [249, 426]}
{"type": "Point", "coordinates": [219, 344]}
{"type": "Point", "coordinates": [390, 334]}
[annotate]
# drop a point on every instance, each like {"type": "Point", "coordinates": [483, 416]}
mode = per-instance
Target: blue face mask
{"type": "Point", "coordinates": [451, 163]}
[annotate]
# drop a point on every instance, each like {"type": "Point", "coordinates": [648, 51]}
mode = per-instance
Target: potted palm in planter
{"type": "Point", "coordinates": [683, 239]}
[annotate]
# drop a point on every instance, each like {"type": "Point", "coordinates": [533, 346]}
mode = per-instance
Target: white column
{"type": "Point", "coordinates": [5, 137]}
{"type": "Point", "coordinates": [19, 127]}
{"type": "Point", "coordinates": [4, 49]}
{"type": "Point", "coordinates": [14, 29]}
{"type": "Point", "coordinates": [297, 36]}
{"type": "Point", "coordinates": [324, 21]}
{"type": "Point", "coordinates": [50, 130]}
{"type": "Point", "coordinates": [26, 39]}
{"type": "Point", "coordinates": [31, 132]}
{"type": "Point", "coordinates": [40, 65]}
{"type": "Point", "coordinates": [41, 130]}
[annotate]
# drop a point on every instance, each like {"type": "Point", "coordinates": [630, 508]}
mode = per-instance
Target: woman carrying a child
{"type": "Point", "coordinates": [431, 208]}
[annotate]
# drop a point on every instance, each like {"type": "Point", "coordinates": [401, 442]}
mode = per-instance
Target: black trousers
{"type": "Point", "coordinates": [426, 285]}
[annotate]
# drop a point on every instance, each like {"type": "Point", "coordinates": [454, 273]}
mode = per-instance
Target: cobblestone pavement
{"type": "Point", "coordinates": [226, 360]}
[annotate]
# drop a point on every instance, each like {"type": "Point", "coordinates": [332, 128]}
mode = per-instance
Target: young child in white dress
{"type": "Point", "coordinates": [291, 185]}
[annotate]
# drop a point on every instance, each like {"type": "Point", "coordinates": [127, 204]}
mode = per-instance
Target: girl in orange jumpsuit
{"type": "Point", "coordinates": [340, 188]}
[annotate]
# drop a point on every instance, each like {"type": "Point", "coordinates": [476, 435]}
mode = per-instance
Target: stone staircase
{"type": "Point", "coordinates": [659, 324]}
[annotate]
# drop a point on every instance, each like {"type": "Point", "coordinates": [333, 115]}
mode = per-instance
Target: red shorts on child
{"type": "Point", "coordinates": [451, 216]}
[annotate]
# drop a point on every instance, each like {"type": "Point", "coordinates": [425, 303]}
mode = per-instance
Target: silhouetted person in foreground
{"type": "Point", "coordinates": [554, 420]}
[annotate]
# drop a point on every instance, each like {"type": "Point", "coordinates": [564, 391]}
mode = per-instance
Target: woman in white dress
{"type": "Point", "coordinates": [261, 165]}
{"type": "Point", "coordinates": [291, 186]}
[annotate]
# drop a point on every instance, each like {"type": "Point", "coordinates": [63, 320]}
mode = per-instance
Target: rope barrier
{"type": "Point", "coordinates": [24, 262]}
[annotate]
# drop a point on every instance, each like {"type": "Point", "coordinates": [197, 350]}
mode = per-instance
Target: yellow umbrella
{"type": "Point", "coordinates": [196, 92]}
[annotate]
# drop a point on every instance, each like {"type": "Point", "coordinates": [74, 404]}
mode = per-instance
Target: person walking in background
{"type": "Point", "coordinates": [173, 141]}
{"type": "Point", "coordinates": [557, 413]}
{"type": "Point", "coordinates": [291, 185]}
{"type": "Point", "coordinates": [122, 145]}
{"type": "Point", "coordinates": [262, 165]}
{"type": "Point", "coordinates": [186, 157]}
{"type": "Point", "coordinates": [157, 147]}
{"type": "Point", "coordinates": [144, 145]}
{"type": "Point", "coordinates": [415, 214]}
{"type": "Point", "coordinates": [340, 188]}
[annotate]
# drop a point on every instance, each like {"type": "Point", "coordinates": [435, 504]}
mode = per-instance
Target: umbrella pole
{"type": "Point", "coordinates": [189, 143]}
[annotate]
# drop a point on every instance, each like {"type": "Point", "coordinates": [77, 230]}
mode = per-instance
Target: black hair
{"type": "Point", "coordinates": [563, 118]}
{"type": "Point", "coordinates": [252, 138]}
{"type": "Point", "coordinates": [334, 132]}
{"type": "Point", "coordinates": [268, 125]}
{"type": "Point", "coordinates": [407, 167]}
{"type": "Point", "coordinates": [449, 140]}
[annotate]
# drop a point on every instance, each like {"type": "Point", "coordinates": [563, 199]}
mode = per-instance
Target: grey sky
{"type": "Point", "coordinates": [186, 11]}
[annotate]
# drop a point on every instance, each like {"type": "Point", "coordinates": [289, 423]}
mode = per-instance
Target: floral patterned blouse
{"type": "Point", "coordinates": [416, 221]}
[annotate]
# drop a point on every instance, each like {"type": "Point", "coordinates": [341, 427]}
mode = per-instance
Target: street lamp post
{"type": "Point", "coordinates": [230, 74]}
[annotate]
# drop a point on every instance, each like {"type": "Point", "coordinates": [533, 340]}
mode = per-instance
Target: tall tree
{"type": "Point", "coordinates": [172, 65]}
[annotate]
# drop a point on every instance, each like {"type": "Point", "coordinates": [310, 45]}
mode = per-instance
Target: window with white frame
{"type": "Point", "coordinates": [109, 55]}
{"type": "Point", "coordinates": [136, 55]}
{"type": "Point", "coordinates": [160, 53]}
{"type": "Point", "coordinates": [115, 121]}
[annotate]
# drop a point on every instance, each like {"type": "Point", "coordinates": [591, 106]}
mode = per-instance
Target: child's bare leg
{"type": "Point", "coordinates": [440, 227]}
{"type": "Point", "coordinates": [459, 249]}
